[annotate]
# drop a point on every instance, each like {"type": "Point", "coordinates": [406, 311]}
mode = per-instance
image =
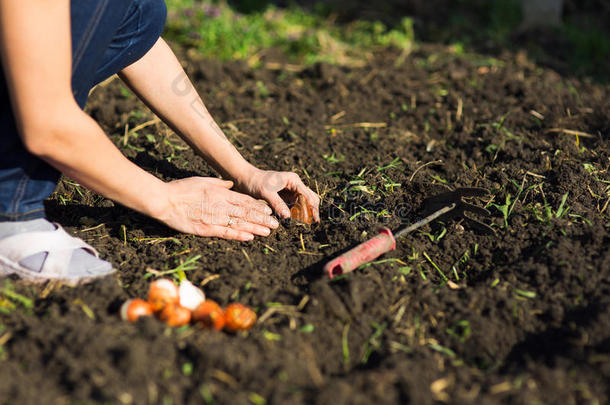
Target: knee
{"type": "Point", "coordinates": [153, 15]}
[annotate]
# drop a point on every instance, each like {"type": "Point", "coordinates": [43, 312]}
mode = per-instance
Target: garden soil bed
{"type": "Point", "coordinates": [525, 318]}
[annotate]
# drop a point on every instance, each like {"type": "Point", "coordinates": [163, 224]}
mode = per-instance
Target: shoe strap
{"type": "Point", "coordinates": [58, 245]}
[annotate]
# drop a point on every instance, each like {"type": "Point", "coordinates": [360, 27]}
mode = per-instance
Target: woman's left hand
{"type": "Point", "coordinates": [266, 184]}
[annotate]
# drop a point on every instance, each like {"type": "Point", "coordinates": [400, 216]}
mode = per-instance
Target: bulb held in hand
{"type": "Point", "coordinates": [301, 211]}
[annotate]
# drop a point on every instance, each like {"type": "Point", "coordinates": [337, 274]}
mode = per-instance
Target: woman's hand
{"type": "Point", "coordinates": [158, 78]}
{"type": "Point", "coordinates": [266, 184]}
{"type": "Point", "coordinates": [205, 206]}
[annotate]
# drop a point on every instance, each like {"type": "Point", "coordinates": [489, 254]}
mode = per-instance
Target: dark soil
{"type": "Point", "coordinates": [525, 318]}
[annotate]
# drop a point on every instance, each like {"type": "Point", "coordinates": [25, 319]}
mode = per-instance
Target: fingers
{"type": "Point", "coordinates": [230, 215]}
{"type": "Point", "coordinates": [223, 213]}
{"type": "Point", "coordinates": [251, 228]}
{"type": "Point", "coordinates": [292, 182]}
{"type": "Point", "coordinates": [278, 205]}
{"type": "Point", "coordinates": [249, 220]}
{"type": "Point", "coordinates": [216, 211]}
{"type": "Point", "coordinates": [314, 202]}
{"type": "Point", "coordinates": [213, 181]}
{"type": "Point", "coordinates": [249, 210]}
{"type": "Point", "coordinates": [236, 229]}
{"type": "Point", "coordinates": [246, 201]}
{"type": "Point", "coordinates": [253, 216]}
{"type": "Point", "coordinates": [225, 232]}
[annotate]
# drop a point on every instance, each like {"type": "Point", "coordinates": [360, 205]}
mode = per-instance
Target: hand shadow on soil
{"type": "Point", "coordinates": [72, 214]}
{"type": "Point", "coordinates": [164, 169]}
{"type": "Point", "coordinates": [115, 215]}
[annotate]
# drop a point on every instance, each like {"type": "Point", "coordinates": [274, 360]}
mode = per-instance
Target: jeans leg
{"type": "Point", "coordinates": [94, 24]}
{"type": "Point", "coordinates": [107, 35]}
{"type": "Point", "coordinates": [24, 179]}
{"type": "Point", "coordinates": [140, 29]}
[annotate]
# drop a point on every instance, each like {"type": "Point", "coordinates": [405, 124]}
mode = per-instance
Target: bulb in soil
{"type": "Point", "coordinates": [209, 315]}
{"type": "Point", "coordinates": [174, 315]}
{"type": "Point", "coordinates": [133, 309]}
{"type": "Point", "coordinates": [239, 317]}
{"type": "Point", "coordinates": [162, 292]}
{"type": "Point", "coordinates": [301, 211]}
{"type": "Point", "coordinates": [190, 295]}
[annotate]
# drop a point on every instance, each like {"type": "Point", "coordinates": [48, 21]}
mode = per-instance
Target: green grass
{"type": "Point", "coordinates": [460, 331]}
{"type": "Point", "coordinates": [218, 31]}
{"type": "Point", "coordinates": [442, 349]}
{"type": "Point", "coordinates": [11, 300]}
{"type": "Point", "coordinates": [249, 28]}
{"type": "Point", "coordinates": [504, 209]}
{"type": "Point", "coordinates": [244, 31]}
{"type": "Point", "coordinates": [178, 272]}
{"type": "Point", "coordinates": [584, 40]}
{"type": "Point", "coordinates": [591, 46]}
{"type": "Point", "coordinates": [373, 343]}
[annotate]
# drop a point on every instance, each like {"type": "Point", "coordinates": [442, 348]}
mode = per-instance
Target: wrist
{"type": "Point", "coordinates": [241, 172]}
{"type": "Point", "coordinates": [156, 202]}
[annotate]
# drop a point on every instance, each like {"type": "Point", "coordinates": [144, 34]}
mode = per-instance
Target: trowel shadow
{"type": "Point", "coordinates": [315, 271]}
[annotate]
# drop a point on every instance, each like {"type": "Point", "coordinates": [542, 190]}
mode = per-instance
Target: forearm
{"type": "Point", "coordinates": [82, 151]}
{"type": "Point", "coordinates": [36, 57]}
{"type": "Point", "coordinates": [159, 80]}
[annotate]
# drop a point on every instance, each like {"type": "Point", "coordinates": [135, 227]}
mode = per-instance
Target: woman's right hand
{"type": "Point", "coordinates": [206, 206]}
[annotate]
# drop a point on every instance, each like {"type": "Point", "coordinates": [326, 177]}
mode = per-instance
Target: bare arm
{"type": "Point", "coordinates": [36, 55]}
{"type": "Point", "coordinates": [35, 47]}
{"type": "Point", "coordinates": [158, 78]}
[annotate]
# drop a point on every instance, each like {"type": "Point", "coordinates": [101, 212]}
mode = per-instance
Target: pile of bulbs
{"type": "Point", "coordinates": [179, 306]}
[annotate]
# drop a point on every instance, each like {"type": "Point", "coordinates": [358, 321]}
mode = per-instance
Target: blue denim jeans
{"type": "Point", "coordinates": [107, 36]}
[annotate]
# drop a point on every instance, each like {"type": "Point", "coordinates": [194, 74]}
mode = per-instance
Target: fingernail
{"type": "Point", "coordinates": [274, 222]}
{"type": "Point", "coordinates": [267, 231]}
{"type": "Point", "coordinates": [250, 237]}
{"type": "Point", "coordinates": [286, 213]}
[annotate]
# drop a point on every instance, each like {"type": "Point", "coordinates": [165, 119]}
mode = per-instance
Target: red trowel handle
{"type": "Point", "coordinates": [361, 254]}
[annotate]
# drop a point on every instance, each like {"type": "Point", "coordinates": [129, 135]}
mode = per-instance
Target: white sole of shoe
{"type": "Point", "coordinates": [8, 268]}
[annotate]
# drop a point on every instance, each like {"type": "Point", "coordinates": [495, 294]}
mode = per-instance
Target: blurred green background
{"type": "Point", "coordinates": [350, 31]}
